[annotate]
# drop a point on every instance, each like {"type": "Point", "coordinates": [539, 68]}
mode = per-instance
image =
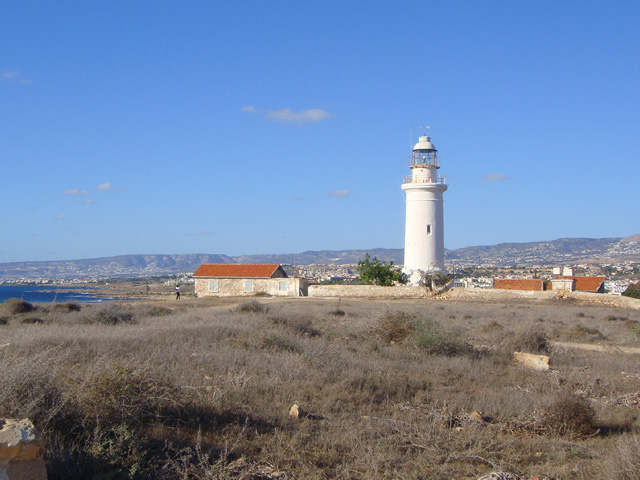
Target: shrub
{"type": "Point", "coordinates": [338, 312]}
{"type": "Point", "coordinates": [155, 311]}
{"type": "Point", "coordinates": [31, 388]}
{"type": "Point", "coordinates": [395, 327]}
{"type": "Point", "coordinates": [433, 339]}
{"type": "Point", "coordinates": [4, 320]}
{"type": "Point", "coordinates": [119, 394]}
{"type": "Point", "coordinates": [111, 315]}
{"type": "Point", "coordinates": [252, 307]}
{"type": "Point", "coordinates": [581, 331]}
{"type": "Point", "coordinates": [67, 307]}
{"type": "Point", "coordinates": [633, 290]}
{"type": "Point", "coordinates": [492, 326]}
{"type": "Point", "coordinates": [14, 306]}
{"type": "Point", "coordinates": [278, 343]}
{"type": "Point", "coordinates": [533, 339]}
{"type": "Point", "coordinates": [569, 415]}
{"type": "Point", "coordinates": [299, 325]}
{"type": "Point", "coordinates": [32, 321]}
{"type": "Point", "coordinates": [624, 463]}
{"type": "Point", "coordinates": [304, 326]}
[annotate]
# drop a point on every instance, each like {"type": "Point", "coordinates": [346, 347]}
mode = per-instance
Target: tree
{"type": "Point", "coordinates": [376, 272]}
{"type": "Point", "coordinates": [633, 290]}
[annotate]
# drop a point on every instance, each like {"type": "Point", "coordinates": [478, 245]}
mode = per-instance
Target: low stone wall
{"type": "Point", "coordinates": [366, 291]}
{"type": "Point", "coordinates": [496, 294]}
{"type": "Point", "coordinates": [608, 300]}
{"type": "Point", "coordinates": [21, 453]}
{"type": "Point", "coordinates": [491, 294]}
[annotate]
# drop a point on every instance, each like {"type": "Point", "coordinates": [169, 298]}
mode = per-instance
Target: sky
{"type": "Point", "coordinates": [247, 127]}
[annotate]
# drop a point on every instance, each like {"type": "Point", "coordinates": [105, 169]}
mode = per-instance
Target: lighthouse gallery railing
{"type": "Point", "coordinates": [427, 179]}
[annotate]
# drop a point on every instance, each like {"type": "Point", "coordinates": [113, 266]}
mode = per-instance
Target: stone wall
{"type": "Point", "coordinates": [235, 287]}
{"type": "Point", "coordinates": [21, 453]}
{"type": "Point", "coordinates": [366, 291]}
{"type": "Point", "coordinates": [491, 294]}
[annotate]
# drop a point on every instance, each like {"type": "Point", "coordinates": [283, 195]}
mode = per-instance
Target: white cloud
{"type": "Point", "coordinates": [106, 187]}
{"type": "Point", "coordinates": [88, 201]}
{"type": "Point", "coordinates": [14, 77]}
{"type": "Point", "coordinates": [495, 177]}
{"type": "Point", "coordinates": [250, 109]}
{"type": "Point", "coordinates": [305, 116]}
{"type": "Point", "coordinates": [338, 193]}
{"type": "Point", "coordinates": [75, 191]}
{"type": "Point", "coordinates": [286, 115]}
{"type": "Point", "coordinates": [60, 217]}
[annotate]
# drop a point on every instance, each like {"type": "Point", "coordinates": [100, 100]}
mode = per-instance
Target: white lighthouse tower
{"type": "Point", "coordinates": [424, 230]}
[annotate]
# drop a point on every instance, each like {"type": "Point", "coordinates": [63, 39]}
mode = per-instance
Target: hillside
{"type": "Point", "coordinates": [554, 252]}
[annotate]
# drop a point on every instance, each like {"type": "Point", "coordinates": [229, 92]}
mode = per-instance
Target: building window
{"type": "Point", "coordinates": [213, 285]}
{"type": "Point", "coordinates": [248, 285]}
{"type": "Point", "coordinates": [283, 285]}
{"type": "Point", "coordinates": [428, 229]}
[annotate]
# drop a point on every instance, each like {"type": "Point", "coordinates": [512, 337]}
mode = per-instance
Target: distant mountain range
{"type": "Point", "coordinates": [554, 252]}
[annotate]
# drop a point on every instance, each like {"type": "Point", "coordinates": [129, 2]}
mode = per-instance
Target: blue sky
{"type": "Point", "coordinates": [278, 127]}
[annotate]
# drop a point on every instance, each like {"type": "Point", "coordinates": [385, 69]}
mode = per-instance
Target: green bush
{"type": "Point", "coordinates": [633, 290]}
{"type": "Point", "coordinates": [376, 272]}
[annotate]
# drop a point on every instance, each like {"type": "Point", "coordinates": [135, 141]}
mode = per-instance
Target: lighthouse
{"type": "Point", "coordinates": [424, 229]}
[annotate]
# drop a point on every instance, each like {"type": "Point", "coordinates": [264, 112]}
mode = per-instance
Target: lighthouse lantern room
{"type": "Point", "coordinates": [424, 228]}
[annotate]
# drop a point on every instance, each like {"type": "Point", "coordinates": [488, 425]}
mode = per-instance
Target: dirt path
{"type": "Point", "coordinates": [599, 348]}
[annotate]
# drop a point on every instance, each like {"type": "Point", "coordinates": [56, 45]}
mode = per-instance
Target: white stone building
{"type": "Point", "coordinates": [234, 279]}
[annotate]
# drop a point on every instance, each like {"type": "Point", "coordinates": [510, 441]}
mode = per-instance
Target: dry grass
{"type": "Point", "coordinates": [201, 389]}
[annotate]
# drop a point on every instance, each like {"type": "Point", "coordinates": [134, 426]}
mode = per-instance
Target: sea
{"type": "Point", "coordinates": [52, 293]}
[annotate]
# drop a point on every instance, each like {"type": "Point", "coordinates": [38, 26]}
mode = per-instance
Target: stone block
{"type": "Point", "coordinates": [529, 360]}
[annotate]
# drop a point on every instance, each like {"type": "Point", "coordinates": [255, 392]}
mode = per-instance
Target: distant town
{"type": "Point", "coordinates": [618, 275]}
{"type": "Point", "coordinates": [617, 259]}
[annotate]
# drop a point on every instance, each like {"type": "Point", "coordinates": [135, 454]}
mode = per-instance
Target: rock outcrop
{"type": "Point", "coordinates": [21, 452]}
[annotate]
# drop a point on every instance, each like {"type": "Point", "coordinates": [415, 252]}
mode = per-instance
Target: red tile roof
{"type": "Point", "coordinates": [518, 284]}
{"type": "Point", "coordinates": [588, 284]}
{"type": "Point", "coordinates": [236, 270]}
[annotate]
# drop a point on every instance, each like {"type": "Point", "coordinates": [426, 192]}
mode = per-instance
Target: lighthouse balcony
{"type": "Point", "coordinates": [440, 179]}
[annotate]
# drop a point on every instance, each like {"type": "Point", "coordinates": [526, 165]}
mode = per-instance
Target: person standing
{"type": "Point", "coordinates": [177, 292]}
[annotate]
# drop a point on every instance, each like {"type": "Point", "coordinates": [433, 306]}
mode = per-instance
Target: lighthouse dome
{"type": "Point", "coordinates": [424, 143]}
